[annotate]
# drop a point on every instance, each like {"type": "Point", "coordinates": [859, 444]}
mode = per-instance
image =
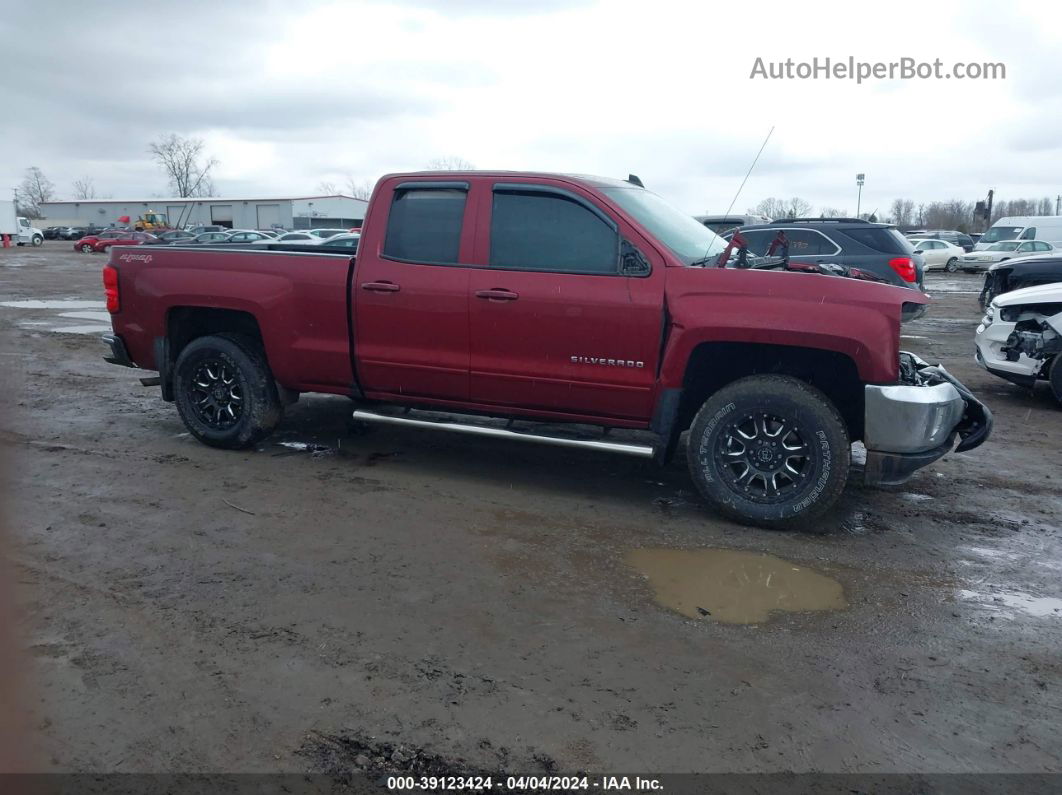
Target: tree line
{"type": "Point", "coordinates": [958, 214]}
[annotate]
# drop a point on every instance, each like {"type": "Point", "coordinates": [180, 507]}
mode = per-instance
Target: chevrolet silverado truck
{"type": "Point", "coordinates": [515, 304]}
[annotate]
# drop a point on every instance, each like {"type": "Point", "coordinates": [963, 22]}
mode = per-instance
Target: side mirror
{"type": "Point", "coordinates": [632, 261]}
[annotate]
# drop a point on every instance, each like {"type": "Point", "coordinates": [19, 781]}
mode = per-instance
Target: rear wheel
{"type": "Point", "coordinates": [952, 265]}
{"type": "Point", "coordinates": [769, 450]}
{"type": "Point", "coordinates": [225, 392]}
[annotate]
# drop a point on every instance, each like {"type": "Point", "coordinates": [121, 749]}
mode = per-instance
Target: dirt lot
{"type": "Point", "coordinates": [350, 593]}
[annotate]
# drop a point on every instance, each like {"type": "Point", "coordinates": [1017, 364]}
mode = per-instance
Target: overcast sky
{"type": "Point", "coordinates": [290, 94]}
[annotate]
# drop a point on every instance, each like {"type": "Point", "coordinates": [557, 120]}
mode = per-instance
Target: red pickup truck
{"type": "Point", "coordinates": [556, 299]}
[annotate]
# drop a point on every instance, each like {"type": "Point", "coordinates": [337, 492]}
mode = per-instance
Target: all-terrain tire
{"type": "Point", "coordinates": [225, 392]}
{"type": "Point", "coordinates": [802, 441]}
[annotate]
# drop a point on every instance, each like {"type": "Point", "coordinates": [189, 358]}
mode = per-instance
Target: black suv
{"type": "Point", "coordinates": [876, 248]}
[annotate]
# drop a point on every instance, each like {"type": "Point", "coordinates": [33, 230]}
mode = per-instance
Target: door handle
{"type": "Point", "coordinates": [497, 294]}
{"type": "Point", "coordinates": [380, 287]}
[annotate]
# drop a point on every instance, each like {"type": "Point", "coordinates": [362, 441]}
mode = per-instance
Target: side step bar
{"type": "Point", "coordinates": [640, 450]}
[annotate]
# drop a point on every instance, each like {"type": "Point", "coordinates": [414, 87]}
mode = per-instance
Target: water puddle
{"type": "Point", "coordinates": [1016, 601]}
{"type": "Point", "coordinates": [59, 304]}
{"type": "Point", "coordinates": [732, 586]}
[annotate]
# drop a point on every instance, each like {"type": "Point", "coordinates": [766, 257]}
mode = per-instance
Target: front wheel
{"type": "Point", "coordinates": [769, 450]}
{"type": "Point", "coordinates": [37, 241]}
{"type": "Point", "coordinates": [225, 392]}
{"type": "Point", "coordinates": [86, 248]}
{"type": "Point", "coordinates": [952, 265]}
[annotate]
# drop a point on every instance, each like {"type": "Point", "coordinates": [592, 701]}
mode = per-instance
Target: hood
{"type": "Point", "coordinates": [988, 256]}
{"type": "Point", "coordinates": [1041, 294]}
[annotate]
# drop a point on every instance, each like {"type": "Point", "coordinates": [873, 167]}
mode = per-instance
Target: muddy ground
{"type": "Point", "coordinates": [293, 608]}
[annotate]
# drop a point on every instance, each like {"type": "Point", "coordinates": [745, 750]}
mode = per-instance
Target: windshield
{"type": "Point", "coordinates": [997, 233]}
{"type": "Point", "coordinates": [690, 240]}
{"type": "Point", "coordinates": [1010, 245]}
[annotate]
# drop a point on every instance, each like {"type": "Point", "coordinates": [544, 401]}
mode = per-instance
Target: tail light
{"type": "Point", "coordinates": [110, 289]}
{"type": "Point", "coordinates": [905, 268]}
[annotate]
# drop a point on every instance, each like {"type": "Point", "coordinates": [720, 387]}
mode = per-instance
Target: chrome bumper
{"type": "Point", "coordinates": [908, 426]}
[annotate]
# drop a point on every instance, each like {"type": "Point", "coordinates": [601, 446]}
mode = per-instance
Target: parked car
{"type": "Point", "coordinates": [1003, 251]}
{"type": "Point", "coordinates": [123, 239]}
{"type": "Point", "coordinates": [1023, 227]}
{"type": "Point", "coordinates": [293, 237]}
{"type": "Point", "coordinates": [938, 254]}
{"type": "Point", "coordinates": [174, 236]}
{"type": "Point", "coordinates": [975, 237]}
{"type": "Point", "coordinates": [86, 244]}
{"type": "Point", "coordinates": [205, 238]}
{"type": "Point", "coordinates": [1020, 337]}
{"type": "Point", "coordinates": [877, 248]}
{"type": "Point", "coordinates": [960, 239]}
{"type": "Point", "coordinates": [323, 233]}
{"type": "Point", "coordinates": [547, 299]}
{"type": "Point", "coordinates": [248, 236]}
{"type": "Point", "coordinates": [198, 230]}
{"type": "Point", "coordinates": [1017, 274]}
{"type": "Point", "coordinates": [346, 240]}
{"type": "Point", "coordinates": [52, 232]}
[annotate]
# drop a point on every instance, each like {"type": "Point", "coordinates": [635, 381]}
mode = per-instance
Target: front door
{"type": "Point", "coordinates": [410, 297]}
{"type": "Point", "coordinates": [555, 323]}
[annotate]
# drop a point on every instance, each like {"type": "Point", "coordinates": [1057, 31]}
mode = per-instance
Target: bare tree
{"type": "Point", "coordinates": [449, 163]}
{"type": "Point", "coordinates": [186, 167]}
{"type": "Point", "coordinates": [782, 208]}
{"type": "Point", "coordinates": [84, 188]}
{"type": "Point", "coordinates": [359, 189]}
{"type": "Point", "coordinates": [327, 188]}
{"type": "Point", "coordinates": [902, 212]}
{"type": "Point", "coordinates": [832, 212]}
{"type": "Point", "coordinates": [33, 191]}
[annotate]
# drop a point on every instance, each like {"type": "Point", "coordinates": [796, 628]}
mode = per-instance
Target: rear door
{"type": "Point", "coordinates": [555, 325]}
{"type": "Point", "coordinates": [410, 293]}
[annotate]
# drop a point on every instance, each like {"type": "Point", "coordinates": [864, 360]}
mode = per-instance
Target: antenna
{"type": "Point", "coordinates": [742, 185]}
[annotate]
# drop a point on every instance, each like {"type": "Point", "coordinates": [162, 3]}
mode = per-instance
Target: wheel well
{"type": "Point", "coordinates": [713, 365]}
{"type": "Point", "coordinates": [186, 323]}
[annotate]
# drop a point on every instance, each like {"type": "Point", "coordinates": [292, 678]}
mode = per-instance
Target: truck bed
{"type": "Point", "coordinates": [299, 302]}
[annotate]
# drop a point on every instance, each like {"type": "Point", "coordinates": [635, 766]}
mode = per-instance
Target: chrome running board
{"type": "Point", "coordinates": [640, 450]}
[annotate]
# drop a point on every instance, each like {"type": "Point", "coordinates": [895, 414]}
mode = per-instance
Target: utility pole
{"type": "Point", "coordinates": [1058, 204]}
{"type": "Point", "coordinates": [859, 195]}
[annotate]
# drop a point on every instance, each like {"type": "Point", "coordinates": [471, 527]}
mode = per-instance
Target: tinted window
{"type": "Point", "coordinates": [1029, 233]}
{"type": "Point", "coordinates": [887, 241]}
{"type": "Point", "coordinates": [759, 241]}
{"type": "Point", "coordinates": [425, 225]}
{"type": "Point", "coordinates": [545, 231]}
{"type": "Point", "coordinates": [808, 243]}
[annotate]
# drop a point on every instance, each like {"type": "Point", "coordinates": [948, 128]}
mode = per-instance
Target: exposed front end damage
{"type": "Point", "coordinates": [911, 424]}
{"type": "Point", "coordinates": [1020, 337]}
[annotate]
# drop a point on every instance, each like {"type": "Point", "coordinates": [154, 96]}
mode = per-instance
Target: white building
{"type": "Point", "coordinates": [292, 212]}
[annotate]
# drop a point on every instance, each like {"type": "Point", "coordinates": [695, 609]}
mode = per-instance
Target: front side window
{"type": "Point", "coordinates": [1029, 233]}
{"type": "Point", "coordinates": [542, 231]}
{"type": "Point", "coordinates": [425, 225]}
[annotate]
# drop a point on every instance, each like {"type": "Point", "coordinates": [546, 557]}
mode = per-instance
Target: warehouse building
{"type": "Point", "coordinates": [295, 212]}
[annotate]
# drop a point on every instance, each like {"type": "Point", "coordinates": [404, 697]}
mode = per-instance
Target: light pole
{"type": "Point", "coordinates": [859, 195]}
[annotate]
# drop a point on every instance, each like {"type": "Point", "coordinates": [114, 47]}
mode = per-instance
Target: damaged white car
{"type": "Point", "coordinates": [1020, 337]}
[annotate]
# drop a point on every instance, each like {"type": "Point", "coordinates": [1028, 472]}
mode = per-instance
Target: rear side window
{"type": "Point", "coordinates": [425, 225]}
{"type": "Point", "coordinates": [887, 241]}
{"type": "Point", "coordinates": [550, 232]}
{"type": "Point", "coordinates": [808, 243]}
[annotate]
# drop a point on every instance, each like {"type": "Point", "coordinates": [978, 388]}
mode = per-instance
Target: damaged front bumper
{"type": "Point", "coordinates": [913, 423]}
